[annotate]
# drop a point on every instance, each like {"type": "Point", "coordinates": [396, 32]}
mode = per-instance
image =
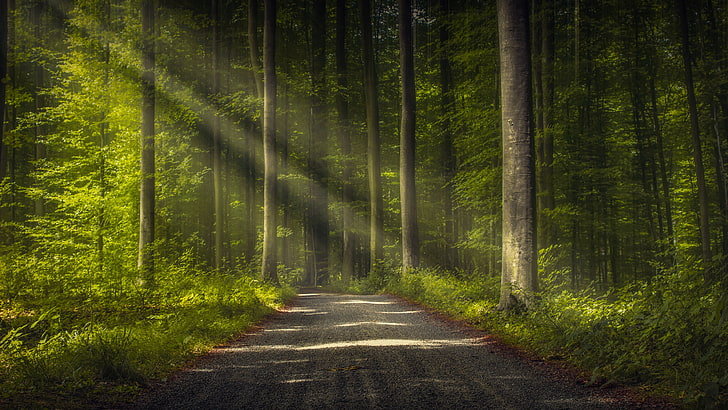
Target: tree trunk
{"type": "Point", "coordinates": [270, 207]}
{"type": "Point", "coordinates": [376, 202]}
{"type": "Point", "coordinates": [447, 148]}
{"type": "Point", "coordinates": [146, 190]}
{"type": "Point", "coordinates": [546, 196]}
{"type": "Point", "coordinates": [217, 171]}
{"type": "Point", "coordinates": [253, 46]}
{"type": "Point", "coordinates": [41, 150]}
{"type": "Point", "coordinates": [695, 134]}
{"type": "Point", "coordinates": [319, 205]}
{"type": "Point", "coordinates": [252, 136]}
{"type": "Point", "coordinates": [518, 279]}
{"type": "Point", "coordinates": [4, 11]}
{"type": "Point", "coordinates": [407, 194]}
{"type": "Point", "coordinates": [342, 107]}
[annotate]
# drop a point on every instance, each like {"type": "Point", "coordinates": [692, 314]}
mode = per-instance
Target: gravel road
{"type": "Point", "coordinates": [352, 351]}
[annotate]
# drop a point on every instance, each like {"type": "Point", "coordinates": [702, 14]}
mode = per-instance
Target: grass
{"type": "Point", "coordinates": [84, 352]}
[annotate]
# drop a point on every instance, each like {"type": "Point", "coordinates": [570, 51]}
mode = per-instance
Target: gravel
{"type": "Point", "coordinates": [374, 352]}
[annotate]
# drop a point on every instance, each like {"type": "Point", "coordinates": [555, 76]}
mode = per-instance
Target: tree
{"type": "Point", "coordinates": [342, 108]}
{"type": "Point", "coordinates": [518, 278]}
{"type": "Point", "coordinates": [146, 190]}
{"type": "Point", "coordinates": [407, 194]}
{"type": "Point", "coordinates": [217, 166]}
{"type": "Point", "coordinates": [270, 159]}
{"type": "Point", "coordinates": [252, 135]}
{"type": "Point", "coordinates": [546, 199]}
{"type": "Point", "coordinates": [318, 150]}
{"type": "Point", "coordinates": [704, 215]}
{"type": "Point", "coordinates": [449, 160]}
{"type": "Point", "coordinates": [3, 84]}
{"type": "Point", "coordinates": [376, 203]}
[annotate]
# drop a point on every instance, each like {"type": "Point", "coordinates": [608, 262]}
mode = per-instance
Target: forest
{"type": "Point", "coordinates": [553, 171]}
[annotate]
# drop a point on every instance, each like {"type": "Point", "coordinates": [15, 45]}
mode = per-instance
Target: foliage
{"type": "Point", "coordinates": [70, 348]}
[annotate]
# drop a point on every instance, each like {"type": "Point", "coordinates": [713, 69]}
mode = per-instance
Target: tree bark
{"type": "Point", "coordinates": [319, 205]}
{"type": "Point", "coordinates": [547, 200]}
{"type": "Point", "coordinates": [147, 191]}
{"type": "Point", "coordinates": [376, 202]}
{"type": "Point", "coordinates": [270, 206]}
{"type": "Point", "coordinates": [407, 194]}
{"type": "Point", "coordinates": [448, 151]}
{"type": "Point", "coordinates": [4, 11]}
{"type": "Point", "coordinates": [252, 136]}
{"type": "Point", "coordinates": [41, 150]}
{"type": "Point", "coordinates": [253, 46]}
{"type": "Point", "coordinates": [518, 279]}
{"type": "Point", "coordinates": [695, 134]}
{"type": "Point", "coordinates": [342, 107]}
{"type": "Point", "coordinates": [217, 171]}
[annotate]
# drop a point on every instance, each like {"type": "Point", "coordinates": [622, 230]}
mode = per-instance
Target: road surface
{"type": "Point", "coordinates": [371, 352]}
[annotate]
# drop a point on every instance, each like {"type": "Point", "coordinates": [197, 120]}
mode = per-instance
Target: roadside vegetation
{"type": "Point", "coordinates": [84, 346]}
{"type": "Point", "coordinates": [668, 336]}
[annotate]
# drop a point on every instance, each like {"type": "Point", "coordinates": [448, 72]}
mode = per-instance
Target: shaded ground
{"type": "Point", "coordinates": [346, 351]}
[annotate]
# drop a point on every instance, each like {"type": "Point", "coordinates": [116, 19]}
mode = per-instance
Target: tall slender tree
{"type": "Point", "coordinates": [546, 197]}
{"type": "Point", "coordinates": [695, 134]}
{"type": "Point", "coordinates": [318, 167]}
{"type": "Point", "coordinates": [448, 151]}
{"type": "Point", "coordinates": [252, 134]}
{"type": "Point", "coordinates": [342, 108]}
{"type": "Point", "coordinates": [270, 206]}
{"type": "Point", "coordinates": [407, 193]}
{"type": "Point", "coordinates": [217, 166]}
{"type": "Point", "coordinates": [376, 201]}
{"type": "Point", "coordinates": [519, 258]}
{"type": "Point", "coordinates": [3, 83]}
{"type": "Point", "coordinates": [253, 46]}
{"type": "Point", "coordinates": [147, 191]}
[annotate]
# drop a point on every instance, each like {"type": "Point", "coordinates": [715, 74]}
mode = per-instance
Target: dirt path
{"type": "Point", "coordinates": [345, 351]}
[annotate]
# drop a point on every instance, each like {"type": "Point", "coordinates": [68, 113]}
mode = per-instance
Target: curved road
{"type": "Point", "coordinates": [346, 351]}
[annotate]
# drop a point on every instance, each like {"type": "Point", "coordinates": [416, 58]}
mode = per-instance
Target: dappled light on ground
{"type": "Point", "coordinates": [334, 351]}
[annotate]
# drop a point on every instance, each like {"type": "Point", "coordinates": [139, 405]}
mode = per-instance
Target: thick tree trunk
{"type": "Point", "coordinates": [270, 206]}
{"type": "Point", "coordinates": [695, 134]}
{"type": "Point", "coordinates": [407, 193]}
{"type": "Point", "coordinates": [146, 190]}
{"type": "Point", "coordinates": [376, 202]}
{"type": "Point", "coordinates": [519, 194]}
{"type": "Point", "coordinates": [342, 107]}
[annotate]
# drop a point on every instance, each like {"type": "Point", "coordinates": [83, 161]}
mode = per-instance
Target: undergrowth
{"type": "Point", "coordinates": [669, 335]}
{"type": "Point", "coordinates": [79, 347]}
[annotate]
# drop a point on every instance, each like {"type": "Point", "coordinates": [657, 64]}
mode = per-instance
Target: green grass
{"type": "Point", "coordinates": [88, 350]}
{"type": "Point", "coordinates": [669, 336]}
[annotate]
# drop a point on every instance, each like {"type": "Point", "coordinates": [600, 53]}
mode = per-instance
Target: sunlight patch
{"type": "Point", "coordinates": [402, 312]}
{"type": "Point", "coordinates": [363, 302]}
{"type": "Point", "coordinates": [372, 323]}
{"type": "Point", "coordinates": [386, 343]}
{"type": "Point", "coordinates": [298, 381]}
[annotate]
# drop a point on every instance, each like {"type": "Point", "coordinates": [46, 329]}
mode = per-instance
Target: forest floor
{"type": "Point", "coordinates": [352, 351]}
